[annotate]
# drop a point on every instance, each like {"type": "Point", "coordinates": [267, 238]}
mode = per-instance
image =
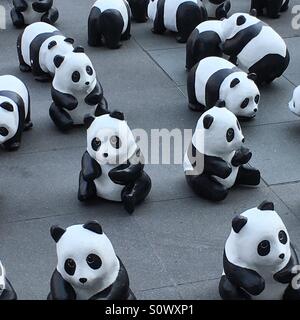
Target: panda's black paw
{"type": "Point", "coordinates": [43, 78]}
{"type": "Point", "coordinates": [129, 203]}
{"type": "Point", "coordinates": [181, 39]}
{"type": "Point", "coordinates": [24, 68]}
{"type": "Point", "coordinates": [13, 147]}
{"type": "Point", "coordinates": [28, 125]}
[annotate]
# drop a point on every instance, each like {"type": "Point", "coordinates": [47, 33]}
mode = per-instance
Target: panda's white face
{"type": "Point", "coordinates": [8, 119]}
{"type": "Point", "coordinates": [241, 95]}
{"type": "Point", "coordinates": [110, 141]}
{"type": "Point", "coordinates": [294, 104]}
{"type": "Point", "coordinates": [218, 133]}
{"type": "Point", "coordinates": [152, 9]}
{"type": "Point", "coordinates": [86, 259]}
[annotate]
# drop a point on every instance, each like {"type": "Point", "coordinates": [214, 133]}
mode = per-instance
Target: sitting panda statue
{"type": "Point", "coordinates": [113, 165]}
{"type": "Point", "coordinates": [272, 7]}
{"type": "Point", "coordinates": [216, 79]}
{"type": "Point", "coordinates": [87, 266]}
{"type": "Point", "coordinates": [14, 111]}
{"type": "Point", "coordinates": [37, 46]}
{"type": "Point", "coordinates": [216, 159]}
{"type": "Point", "coordinates": [109, 20]}
{"type": "Point", "coordinates": [258, 258]}
{"type": "Point", "coordinates": [180, 16]}
{"type": "Point", "coordinates": [75, 90]}
{"type": "Point", "coordinates": [294, 104]}
{"type": "Point", "coordinates": [139, 10]}
{"type": "Point", "coordinates": [7, 291]}
{"type": "Point", "coordinates": [217, 9]}
{"type": "Point", "coordinates": [25, 12]}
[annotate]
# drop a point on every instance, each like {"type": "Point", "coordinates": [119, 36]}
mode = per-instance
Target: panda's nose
{"type": "Point", "coordinates": [105, 155]}
{"type": "Point", "coordinates": [243, 140]}
{"type": "Point", "coordinates": [255, 110]}
{"type": "Point", "coordinates": [87, 83]}
{"type": "Point", "coordinates": [281, 256]}
{"type": "Point", "coordinates": [83, 280]}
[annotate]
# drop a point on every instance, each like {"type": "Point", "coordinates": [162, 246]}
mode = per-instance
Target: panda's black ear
{"type": "Point", "coordinates": [58, 60]}
{"type": "Point", "coordinates": [117, 115]}
{"type": "Point", "coordinates": [266, 206]}
{"type": "Point", "coordinates": [101, 112]}
{"type": "Point", "coordinates": [234, 82]}
{"type": "Point", "coordinates": [57, 232]}
{"type": "Point", "coordinates": [52, 44]}
{"type": "Point", "coordinates": [207, 121]}
{"type": "Point", "coordinates": [79, 50]}
{"type": "Point", "coordinates": [253, 12]}
{"type": "Point", "coordinates": [220, 104]}
{"type": "Point", "coordinates": [93, 226]}
{"type": "Point", "coordinates": [252, 76]}
{"type": "Point", "coordinates": [69, 40]}
{"type": "Point", "coordinates": [238, 222]}
{"type": "Point", "coordinates": [88, 120]}
{"type": "Point", "coordinates": [241, 20]}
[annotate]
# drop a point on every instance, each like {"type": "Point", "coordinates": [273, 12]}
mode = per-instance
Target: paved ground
{"type": "Point", "coordinates": [172, 246]}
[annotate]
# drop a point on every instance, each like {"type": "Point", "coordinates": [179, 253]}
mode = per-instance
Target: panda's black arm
{"type": "Point", "coordinates": [217, 167]}
{"type": "Point", "coordinates": [42, 5]}
{"type": "Point", "coordinates": [244, 278]}
{"type": "Point", "coordinates": [9, 292]}
{"type": "Point", "coordinates": [64, 100]}
{"type": "Point", "coordinates": [126, 173]}
{"type": "Point", "coordinates": [95, 96]}
{"type": "Point", "coordinates": [241, 157]}
{"type": "Point", "coordinates": [90, 167]}
{"type": "Point", "coordinates": [61, 289]}
{"type": "Point", "coordinates": [20, 5]}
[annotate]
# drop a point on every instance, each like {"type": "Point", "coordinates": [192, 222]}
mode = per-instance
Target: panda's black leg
{"type": "Point", "coordinates": [17, 18]}
{"type": "Point", "coordinates": [87, 189]}
{"type": "Point", "coordinates": [273, 8]}
{"type": "Point", "coordinates": [14, 143]}
{"type": "Point", "coordinates": [258, 5]}
{"type": "Point", "coordinates": [102, 106]}
{"type": "Point", "coordinates": [51, 16]}
{"type": "Point", "coordinates": [222, 10]}
{"type": "Point", "coordinates": [131, 295]}
{"type": "Point", "coordinates": [207, 187]}
{"type": "Point", "coordinates": [94, 31]}
{"type": "Point", "coordinates": [193, 103]}
{"type": "Point", "coordinates": [229, 292]}
{"type": "Point", "coordinates": [22, 64]}
{"type": "Point", "coordinates": [60, 117]}
{"type": "Point", "coordinates": [248, 176]}
{"type": "Point", "coordinates": [285, 6]}
{"type": "Point", "coordinates": [28, 124]}
{"type": "Point", "coordinates": [111, 24]}
{"type": "Point", "coordinates": [136, 193]}
{"type": "Point", "coordinates": [291, 294]}
{"type": "Point", "coordinates": [126, 35]}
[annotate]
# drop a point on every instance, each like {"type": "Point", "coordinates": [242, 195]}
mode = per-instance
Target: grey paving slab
{"type": "Point", "coordinates": [293, 73]}
{"type": "Point", "coordinates": [202, 290]}
{"type": "Point", "coordinates": [167, 293]}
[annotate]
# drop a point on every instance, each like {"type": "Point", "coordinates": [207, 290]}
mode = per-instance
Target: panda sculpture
{"type": "Point", "coordinates": [217, 9]}
{"type": "Point", "coordinates": [75, 91]}
{"type": "Point", "coordinates": [14, 111]}
{"type": "Point", "coordinates": [25, 12]}
{"type": "Point", "coordinates": [258, 258]}
{"type": "Point", "coordinates": [294, 104]}
{"type": "Point", "coordinates": [181, 16]}
{"type": "Point", "coordinates": [216, 79]}
{"type": "Point", "coordinates": [109, 20]}
{"type": "Point", "coordinates": [216, 159]}
{"type": "Point", "coordinates": [255, 47]}
{"type": "Point", "coordinates": [272, 7]}
{"type": "Point", "coordinates": [87, 266]}
{"type": "Point", "coordinates": [139, 10]}
{"type": "Point", "coordinates": [7, 291]}
{"type": "Point", "coordinates": [112, 168]}
{"type": "Point", "coordinates": [37, 46]}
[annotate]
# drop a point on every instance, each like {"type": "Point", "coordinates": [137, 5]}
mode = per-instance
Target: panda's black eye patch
{"type": "Point", "coordinates": [94, 261]}
{"type": "Point", "coordinates": [264, 248]}
{"type": "Point", "coordinates": [256, 99]}
{"type": "Point", "coordinates": [96, 143]}
{"type": "Point", "coordinates": [115, 142]}
{"type": "Point", "coordinates": [89, 70]}
{"type": "Point", "coordinates": [70, 266]}
{"type": "Point", "coordinates": [245, 103]}
{"type": "Point", "coordinates": [282, 237]}
{"type": "Point", "coordinates": [240, 20]}
{"type": "Point", "coordinates": [75, 76]}
{"type": "Point", "coordinates": [7, 106]}
{"type": "Point", "coordinates": [230, 135]}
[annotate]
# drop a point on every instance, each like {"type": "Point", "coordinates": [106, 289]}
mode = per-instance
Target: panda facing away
{"type": "Point", "coordinates": [113, 165]}
{"type": "Point", "coordinates": [109, 20]}
{"type": "Point", "coordinates": [272, 7]}
{"type": "Point", "coordinates": [75, 91]}
{"type": "Point", "coordinates": [258, 258]}
{"type": "Point", "coordinates": [87, 266]}
{"type": "Point", "coordinates": [25, 12]}
{"type": "Point", "coordinates": [181, 16]}
{"type": "Point", "coordinates": [216, 159]}
{"type": "Point", "coordinates": [214, 79]}
{"type": "Point", "coordinates": [14, 111]}
{"type": "Point", "coordinates": [7, 291]}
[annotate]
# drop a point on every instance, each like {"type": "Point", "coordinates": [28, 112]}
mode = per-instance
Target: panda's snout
{"type": "Point", "coordinates": [83, 280]}
{"type": "Point", "coordinates": [243, 140]}
{"type": "Point", "coordinates": [105, 155]}
{"type": "Point", "coordinates": [281, 256]}
{"type": "Point", "coordinates": [255, 110]}
{"type": "Point", "coordinates": [87, 83]}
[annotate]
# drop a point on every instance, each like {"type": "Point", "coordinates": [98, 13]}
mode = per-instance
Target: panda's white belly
{"type": "Point", "coordinates": [267, 42]}
{"type": "Point", "coordinates": [31, 16]}
{"type": "Point", "coordinates": [106, 188]}
{"type": "Point", "coordinates": [81, 111]}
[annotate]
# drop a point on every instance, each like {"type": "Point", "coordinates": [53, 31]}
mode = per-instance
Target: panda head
{"type": "Point", "coordinates": [8, 120]}
{"type": "Point", "coordinates": [152, 9]}
{"type": "Point", "coordinates": [109, 139]}
{"type": "Point", "coordinates": [259, 238]}
{"type": "Point", "coordinates": [241, 94]}
{"type": "Point", "coordinates": [85, 256]}
{"type": "Point", "coordinates": [74, 72]}
{"type": "Point", "coordinates": [294, 104]}
{"type": "Point", "coordinates": [218, 132]}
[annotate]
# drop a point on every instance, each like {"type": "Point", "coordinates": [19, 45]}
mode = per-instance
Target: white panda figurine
{"type": "Point", "coordinates": [75, 91]}
{"type": "Point", "coordinates": [25, 12]}
{"type": "Point", "coordinates": [14, 111]}
{"type": "Point", "coordinates": [139, 10]}
{"type": "Point", "coordinates": [258, 258]}
{"type": "Point", "coordinates": [216, 159]}
{"type": "Point", "coordinates": [255, 47]}
{"type": "Point", "coordinates": [272, 7]}
{"type": "Point", "coordinates": [112, 168]}
{"type": "Point", "coordinates": [294, 104]}
{"type": "Point", "coordinates": [87, 266]}
{"type": "Point", "coordinates": [37, 46]}
{"type": "Point", "coordinates": [181, 16]}
{"type": "Point", "coordinates": [216, 79]}
{"type": "Point", "coordinates": [218, 9]}
{"type": "Point", "coordinates": [7, 291]}
{"type": "Point", "coordinates": [109, 20]}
